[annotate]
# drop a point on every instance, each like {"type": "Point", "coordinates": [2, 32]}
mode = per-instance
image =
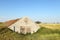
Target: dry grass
{"type": "Point", "coordinates": [2, 25]}
{"type": "Point", "coordinates": [51, 26]}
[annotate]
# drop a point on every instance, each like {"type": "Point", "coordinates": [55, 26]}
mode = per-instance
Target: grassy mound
{"type": "Point", "coordinates": [41, 34]}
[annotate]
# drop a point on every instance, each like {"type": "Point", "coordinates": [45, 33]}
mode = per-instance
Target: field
{"type": "Point", "coordinates": [50, 26]}
{"type": "Point", "coordinates": [43, 33]}
{"type": "Point", "coordinates": [2, 25]}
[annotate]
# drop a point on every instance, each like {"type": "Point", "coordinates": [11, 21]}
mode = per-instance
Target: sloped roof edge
{"type": "Point", "coordinates": [10, 22]}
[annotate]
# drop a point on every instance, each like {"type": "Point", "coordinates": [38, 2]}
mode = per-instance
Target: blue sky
{"type": "Point", "coordinates": [42, 10]}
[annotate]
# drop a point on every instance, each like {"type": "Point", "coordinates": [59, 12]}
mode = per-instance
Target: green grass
{"type": "Point", "coordinates": [41, 34]}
